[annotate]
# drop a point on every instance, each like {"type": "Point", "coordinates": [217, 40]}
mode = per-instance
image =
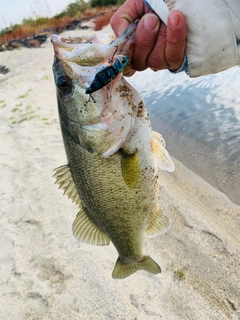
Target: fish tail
{"type": "Point", "coordinates": [123, 270]}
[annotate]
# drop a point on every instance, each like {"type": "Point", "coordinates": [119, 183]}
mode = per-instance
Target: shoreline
{"type": "Point", "coordinates": [199, 120]}
{"type": "Point", "coordinates": [201, 160]}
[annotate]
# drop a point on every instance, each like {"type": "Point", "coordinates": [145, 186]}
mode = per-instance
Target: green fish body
{"type": "Point", "coordinates": [114, 159]}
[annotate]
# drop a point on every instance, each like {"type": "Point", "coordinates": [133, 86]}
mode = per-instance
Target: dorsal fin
{"type": "Point", "coordinates": [86, 231]}
{"type": "Point", "coordinates": [159, 225]}
{"type": "Point", "coordinates": [65, 181]}
{"type": "Point", "coordinates": [164, 161]}
{"type": "Point", "coordinates": [83, 228]}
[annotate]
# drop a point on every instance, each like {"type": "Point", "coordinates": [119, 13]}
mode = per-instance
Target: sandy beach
{"type": "Point", "coordinates": [45, 274]}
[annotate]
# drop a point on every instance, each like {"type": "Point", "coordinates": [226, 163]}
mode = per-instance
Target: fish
{"type": "Point", "coordinates": [107, 72]}
{"type": "Point", "coordinates": [114, 159]}
{"type": "Point", "coordinates": [93, 48]}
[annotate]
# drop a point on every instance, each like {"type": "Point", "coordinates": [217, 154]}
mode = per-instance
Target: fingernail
{"type": "Point", "coordinates": [150, 21]}
{"type": "Point", "coordinates": [174, 20]}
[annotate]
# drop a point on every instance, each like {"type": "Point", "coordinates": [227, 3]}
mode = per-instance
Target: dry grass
{"type": "Point", "coordinates": [102, 20]}
{"type": "Point", "coordinates": [101, 16]}
{"type": "Point", "coordinates": [18, 33]}
{"type": "Point", "coordinates": [24, 31]}
{"type": "Point", "coordinates": [93, 12]}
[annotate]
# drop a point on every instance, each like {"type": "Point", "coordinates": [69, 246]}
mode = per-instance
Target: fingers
{"type": "Point", "coordinates": [120, 21]}
{"type": "Point", "coordinates": [145, 38]}
{"type": "Point", "coordinates": [168, 50]}
{"type": "Point", "coordinates": [156, 46]}
{"type": "Point", "coordinates": [175, 40]}
{"type": "Point", "coordinates": [156, 58]}
{"type": "Point", "coordinates": [126, 14]}
{"type": "Point", "coordinates": [128, 71]}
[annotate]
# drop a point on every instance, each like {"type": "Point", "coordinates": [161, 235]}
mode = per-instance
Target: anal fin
{"type": "Point", "coordinates": [86, 231]}
{"type": "Point", "coordinates": [159, 225]}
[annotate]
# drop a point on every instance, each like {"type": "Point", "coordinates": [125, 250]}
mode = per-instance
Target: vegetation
{"type": "Point", "coordinates": [22, 96]}
{"type": "Point", "coordinates": [101, 3]}
{"type": "Point", "coordinates": [30, 27]}
{"type": "Point", "coordinates": [75, 9]}
{"type": "Point", "coordinates": [2, 104]}
{"type": "Point", "coordinates": [179, 274]}
{"type": "Point", "coordinates": [101, 9]}
{"type": "Point", "coordinates": [102, 20]}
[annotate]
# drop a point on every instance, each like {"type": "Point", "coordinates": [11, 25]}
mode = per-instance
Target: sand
{"type": "Point", "coordinates": [46, 274]}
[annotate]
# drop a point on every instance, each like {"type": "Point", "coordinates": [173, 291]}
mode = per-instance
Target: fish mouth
{"type": "Point", "coordinates": [85, 51]}
{"type": "Point", "coordinates": [106, 38]}
{"type": "Point", "coordinates": [70, 42]}
{"type": "Point", "coordinates": [92, 50]}
{"type": "Point", "coordinates": [75, 42]}
{"type": "Point", "coordinates": [65, 47]}
{"type": "Point", "coordinates": [82, 56]}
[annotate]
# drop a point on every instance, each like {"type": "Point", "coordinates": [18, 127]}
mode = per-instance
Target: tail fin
{"type": "Point", "coordinates": [123, 270]}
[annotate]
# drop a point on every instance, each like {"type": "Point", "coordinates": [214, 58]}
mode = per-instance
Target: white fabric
{"type": "Point", "coordinates": [234, 12]}
{"type": "Point", "coordinates": [211, 26]}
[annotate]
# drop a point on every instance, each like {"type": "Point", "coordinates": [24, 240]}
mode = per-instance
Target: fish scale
{"type": "Point", "coordinates": [95, 183]}
{"type": "Point", "coordinates": [114, 159]}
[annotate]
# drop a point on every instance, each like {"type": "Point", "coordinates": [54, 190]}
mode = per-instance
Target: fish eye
{"type": "Point", "coordinates": [64, 84]}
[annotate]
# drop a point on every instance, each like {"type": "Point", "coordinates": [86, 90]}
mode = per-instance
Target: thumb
{"type": "Point", "coordinates": [175, 40]}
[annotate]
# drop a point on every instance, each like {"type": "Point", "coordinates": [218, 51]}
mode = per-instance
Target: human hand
{"type": "Point", "coordinates": [156, 46]}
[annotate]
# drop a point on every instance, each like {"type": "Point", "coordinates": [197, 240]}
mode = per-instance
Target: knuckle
{"type": "Point", "coordinates": [139, 66]}
{"type": "Point", "coordinates": [157, 64]}
{"type": "Point", "coordinates": [174, 62]}
{"type": "Point", "coordinates": [174, 55]}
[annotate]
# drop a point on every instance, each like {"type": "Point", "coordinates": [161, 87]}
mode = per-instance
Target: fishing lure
{"type": "Point", "coordinates": [107, 72]}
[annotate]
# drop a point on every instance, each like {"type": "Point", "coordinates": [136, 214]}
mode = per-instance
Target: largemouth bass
{"type": "Point", "coordinates": [114, 157]}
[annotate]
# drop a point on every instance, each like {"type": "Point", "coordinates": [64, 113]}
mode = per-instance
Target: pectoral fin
{"type": "Point", "coordinates": [159, 225]}
{"type": "Point", "coordinates": [131, 169]}
{"type": "Point", "coordinates": [65, 181]}
{"type": "Point", "coordinates": [86, 231]}
{"type": "Point", "coordinates": [162, 156]}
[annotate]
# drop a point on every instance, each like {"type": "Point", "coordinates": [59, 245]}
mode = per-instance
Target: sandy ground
{"type": "Point", "coordinates": [46, 274]}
